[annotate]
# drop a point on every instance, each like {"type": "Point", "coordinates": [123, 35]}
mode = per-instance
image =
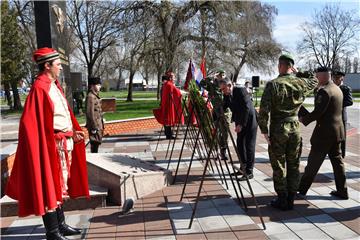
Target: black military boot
{"type": "Point", "coordinates": [342, 195]}
{"type": "Point", "coordinates": [52, 227]}
{"type": "Point", "coordinates": [65, 229]}
{"type": "Point", "coordinates": [280, 202]}
{"type": "Point", "coordinates": [223, 154]}
{"type": "Point", "coordinates": [290, 199]}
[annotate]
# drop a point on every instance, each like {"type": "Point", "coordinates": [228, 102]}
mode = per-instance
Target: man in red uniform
{"type": "Point", "coordinates": [170, 111]}
{"type": "Point", "coordinates": [50, 159]}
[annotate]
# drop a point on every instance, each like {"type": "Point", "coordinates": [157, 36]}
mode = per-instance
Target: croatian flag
{"type": "Point", "coordinates": [200, 75]}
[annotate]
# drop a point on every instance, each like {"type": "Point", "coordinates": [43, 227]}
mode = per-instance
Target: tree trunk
{"type": "Point", "coordinates": [8, 94]}
{"type": "Point", "coordinates": [90, 67]}
{"type": "Point", "coordinates": [238, 68]}
{"type": "Point", "coordinates": [236, 74]}
{"type": "Point", "coordinates": [203, 32]}
{"type": "Point", "coordinates": [147, 75]}
{"type": "Point", "coordinates": [118, 83]}
{"type": "Point", "coordinates": [16, 96]}
{"type": "Point", "coordinates": [130, 89]}
{"type": "Point", "coordinates": [158, 84]}
{"type": "Point", "coordinates": [170, 49]}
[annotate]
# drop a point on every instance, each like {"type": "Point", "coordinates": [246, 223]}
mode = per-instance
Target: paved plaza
{"type": "Point", "coordinates": [219, 215]}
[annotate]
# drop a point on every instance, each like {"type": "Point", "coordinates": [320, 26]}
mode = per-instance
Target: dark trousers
{"type": "Point", "coordinates": [316, 157]}
{"type": "Point", "coordinates": [343, 143]}
{"type": "Point", "coordinates": [94, 147]}
{"type": "Point", "coordinates": [168, 131]}
{"type": "Point", "coordinates": [246, 142]}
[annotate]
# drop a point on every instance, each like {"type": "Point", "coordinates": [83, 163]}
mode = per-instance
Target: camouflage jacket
{"type": "Point", "coordinates": [282, 98]}
{"type": "Point", "coordinates": [214, 92]}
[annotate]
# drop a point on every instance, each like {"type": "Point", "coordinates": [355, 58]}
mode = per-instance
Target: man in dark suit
{"type": "Point", "coordinates": [347, 101]}
{"type": "Point", "coordinates": [243, 114]}
{"type": "Point", "coordinates": [327, 135]}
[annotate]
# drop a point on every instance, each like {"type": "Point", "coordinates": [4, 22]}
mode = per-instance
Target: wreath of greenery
{"type": "Point", "coordinates": [203, 114]}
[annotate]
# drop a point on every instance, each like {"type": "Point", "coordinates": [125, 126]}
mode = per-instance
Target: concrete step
{"type": "Point", "coordinates": [9, 206]}
{"type": "Point", "coordinates": [125, 176]}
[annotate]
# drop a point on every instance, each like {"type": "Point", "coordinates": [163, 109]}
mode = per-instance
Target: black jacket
{"type": "Point", "coordinates": [243, 111]}
{"type": "Point", "coordinates": [347, 101]}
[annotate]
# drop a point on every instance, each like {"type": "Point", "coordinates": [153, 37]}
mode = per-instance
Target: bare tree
{"type": "Point", "coordinates": [170, 19]}
{"type": "Point", "coordinates": [347, 64]}
{"type": "Point", "coordinates": [330, 35]}
{"type": "Point", "coordinates": [116, 64]}
{"type": "Point", "coordinates": [97, 25]}
{"type": "Point", "coordinates": [239, 34]}
{"type": "Point", "coordinates": [136, 52]}
{"type": "Point", "coordinates": [355, 65]}
{"type": "Point", "coordinates": [26, 21]}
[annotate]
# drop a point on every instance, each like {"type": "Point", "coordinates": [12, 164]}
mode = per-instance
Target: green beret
{"type": "Point", "coordinates": [287, 57]}
{"type": "Point", "coordinates": [219, 71]}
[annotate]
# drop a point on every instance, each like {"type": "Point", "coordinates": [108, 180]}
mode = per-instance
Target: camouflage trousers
{"type": "Point", "coordinates": [284, 153]}
{"type": "Point", "coordinates": [223, 127]}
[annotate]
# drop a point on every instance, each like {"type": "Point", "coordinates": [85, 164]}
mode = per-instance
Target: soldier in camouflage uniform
{"type": "Point", "coordinates": [216, 98]}
{"type": "Point", "coordinates": [282, 98]}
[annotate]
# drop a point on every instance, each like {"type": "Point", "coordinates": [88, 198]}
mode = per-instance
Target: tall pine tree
{"type": "Point", "coordinates": [13, 53]}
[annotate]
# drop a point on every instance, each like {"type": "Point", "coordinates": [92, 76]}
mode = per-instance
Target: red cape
{"type": "Point", "coordinates": [35, 177]}
{"type": "Point", "coordinates": [170, 112]}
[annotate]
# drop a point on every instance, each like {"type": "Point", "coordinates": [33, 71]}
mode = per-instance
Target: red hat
{"type": "Point", "coordinates": [44, 55]}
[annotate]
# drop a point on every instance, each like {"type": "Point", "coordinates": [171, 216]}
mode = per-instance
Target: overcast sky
{"type": "Point", "coordinates": [291, 14]}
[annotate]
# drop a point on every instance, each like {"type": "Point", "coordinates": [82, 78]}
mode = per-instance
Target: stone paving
{"type": "Point", "coordinates": [160, 215]}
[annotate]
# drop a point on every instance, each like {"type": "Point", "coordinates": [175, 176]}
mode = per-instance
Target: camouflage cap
{"type": "Point", "coordinates": [287, 57]}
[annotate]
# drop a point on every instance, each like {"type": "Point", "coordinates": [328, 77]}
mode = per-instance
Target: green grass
{"type": "Point", "coordinates": [123, 94]}
{"type": "Point", "coordinates": [126, 110]}
{"type": "Point", "coordinates": [11, 112]}
{"type": "Point", "coordinates": [356, 94]}
{"type": "Point", "coordinates": [22, 99]}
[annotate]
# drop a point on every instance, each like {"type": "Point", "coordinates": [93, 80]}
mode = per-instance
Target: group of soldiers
{"type": "Point", "coordinates": [282, 99]}
{"type": "Point", "coordinates": [279, 118]}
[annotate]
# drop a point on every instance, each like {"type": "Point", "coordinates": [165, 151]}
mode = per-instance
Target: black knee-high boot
{"type": "Point", "coordinates": [65, 229]}
{"type": "Point", "coordinates": [168, 132]}
{"type": "Point", "coordinates": [52, 227]}
{"type": "Point", "coordinates": [94, 147]}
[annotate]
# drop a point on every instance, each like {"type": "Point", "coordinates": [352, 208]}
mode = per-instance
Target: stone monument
{"type": "Point", "coordinates": [51, 31]}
